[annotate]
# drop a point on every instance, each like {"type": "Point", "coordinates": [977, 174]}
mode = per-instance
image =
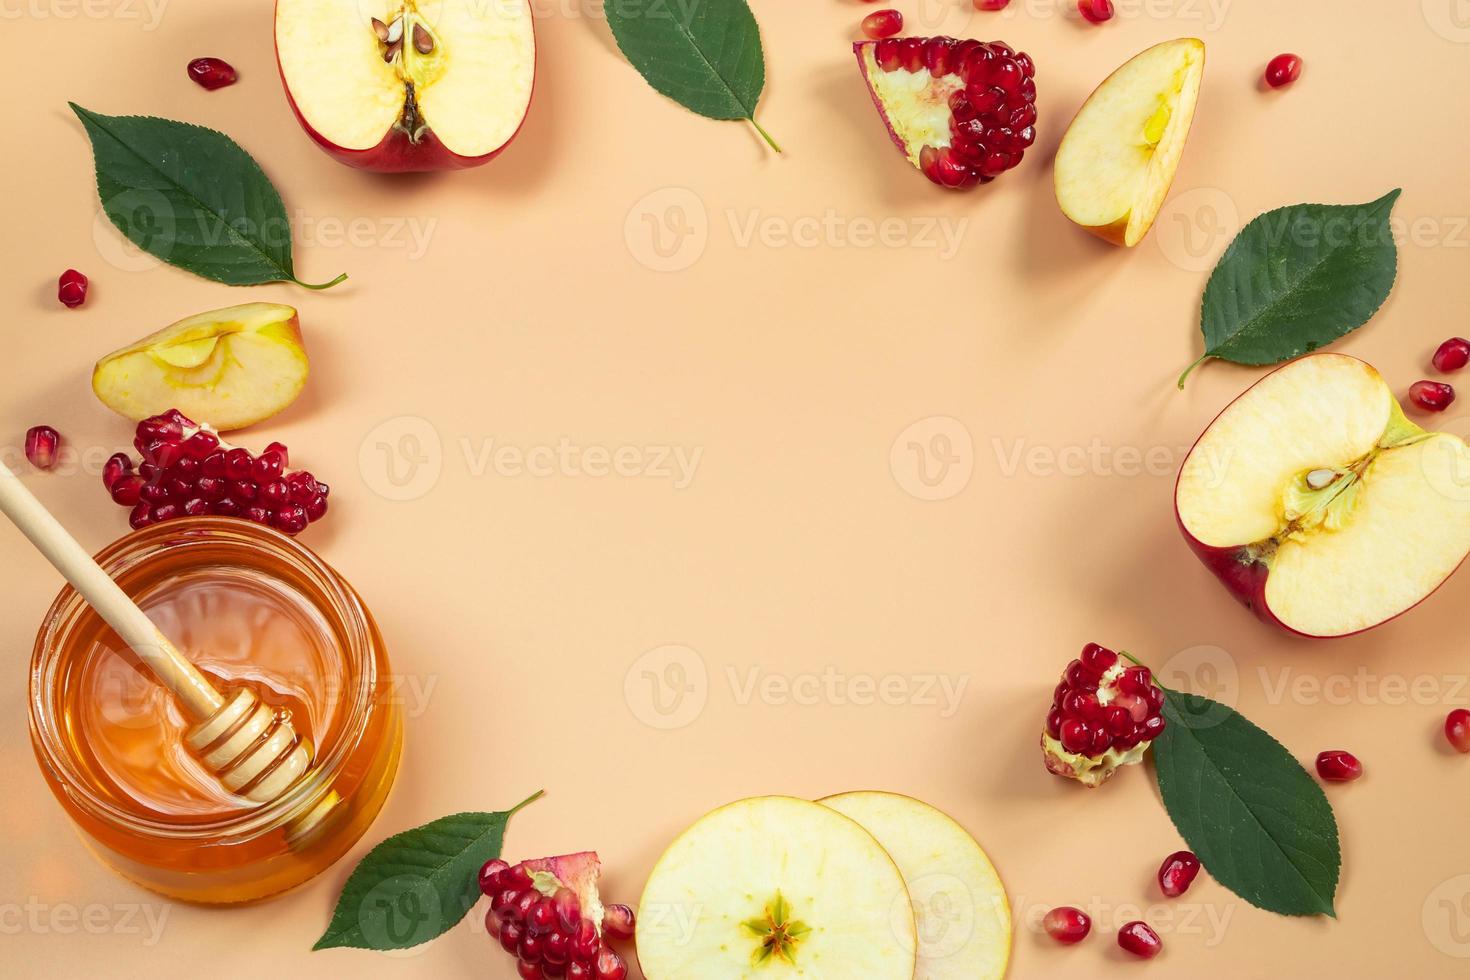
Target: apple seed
{"type": "Point", "coordinates": [423, 43]}
{"type": "Point", "coordinates": [380, 29]}
{"type": "Point", "coordinates": [1317, 479]}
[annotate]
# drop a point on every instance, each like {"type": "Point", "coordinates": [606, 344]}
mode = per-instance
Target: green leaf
{"type": "Point", "coordinates": [416, 885]}
{"type": "Point", "coordinates": [1253, 816]}
{"type": "Point", "coordinates": [704, 54]}
{"type": "Point", "coordinates": [191, 197]}
{"type": "Point", "coordinates": [1298, 278]}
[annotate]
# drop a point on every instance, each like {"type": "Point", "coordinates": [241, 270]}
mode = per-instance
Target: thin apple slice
{"type": "Point", "coordinates": [232, 368]}
{"type": "Point", "coordinates": [778, 886]}
{"type": "Point", "coordinates": [963, 913]}
{"type": "Point", "coordinates": [1117, 160]}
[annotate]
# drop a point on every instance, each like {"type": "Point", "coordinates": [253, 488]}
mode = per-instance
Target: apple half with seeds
{"type": "Point", "coordinates": [403, 85]}
{"type": "Point", "coordinates": [1117, 161]}
{"type": "Point", "coordinates": [235, 367]}
{"type": "Point", "coordinates": [1319, 505]}
{"type": "Point", "coordinates": [963, 913]}
{"type": "Point", "coordinates": [780, 887]}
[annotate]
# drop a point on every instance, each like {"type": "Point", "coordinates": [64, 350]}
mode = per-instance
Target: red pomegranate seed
{"type": "Point", "coordinates": [1337, 766]}
{"type": "Point", "coordinates": [275, 494]}
{"type": "Point", "coordinates": [1457, 729]}
{"type": "Point", "coordinates": [237, 464]}
{"type": "Point", "coordinates": [529, 970]}
{"type": "Point", "coordinates": [1432, 396]}
{"type": "Point", "coordinates": [575, 969]}
{"type": "Point", "coordinates": [568, 907]}
{"type": "Point", "coordinates": [1096, 11]}
{"type": "Point", "coordinates": [610, 965]}
{"type": "Point", "coordinates": [141, 516]}
{"type": "Point", "coordinates": [541, 917]}
{"type": "Point", "coordinates": [267, 467]}
{"type": "Point", "coordinates": [118, 465]}
{"type": "Point", "coordinates": [618, 922]}
{"type": "Point", "coordinates": [280, 450]}
{"type": "Point", "coordinates": [884, 23]}
{"type": "Point", "coordinates": [71, 289]}
{"type": "Point", "coordinates": [1452, 355]}
{"type": "Point", "coordinates": [1067, 925]}
{"type": "Point", "coordinates": [1283, 70]}
{"type": "Point", "coordinates": [1177, 873]}
{"type": "Point", "coordinates": [511, 935]}
{"type": "Point", "coordinates": [991, 4]}
{"type": "Point", "coordinates": [317, 509]}
{"type": "Point", "coordinates": [491, 875]}
{"type": "Point", "coordinates": [1138, 939]}
{"type": "Point", "coordinates": [42, 445]}
{"type": "Point", "coordinates": [211, 73]}
{"type": "Point", "coordinates": [558, 946]}
{"type": "Point", "coordinates": [128, 490]}
{"type": "Point", "coordinates": [585, 942]}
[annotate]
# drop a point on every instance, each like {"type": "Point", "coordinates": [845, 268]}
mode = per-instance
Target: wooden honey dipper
{"type": "Point", "coordinates": [251, 747]}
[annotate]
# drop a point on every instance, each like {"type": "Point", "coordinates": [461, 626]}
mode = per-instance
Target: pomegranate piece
{"type": "Point", "coordinates": [1177, 873]}
{"type": "Point", "coordinates": [1337, 766]}
{"type": "Point", "coordinates": [1095, 11]}
{"type": "Point", "coordinates": [212, 73]}
{"type": "Point", "coordinates": [1104, 715]}
{"type": "Point", "coordinates": [71, 288]}
{"type": "Point", "coordinates": [1431, 396]}
{"type": "Point", "coordinates": [1457, 729]}
{"type": "Point", "coordinates": [1283, 69]}
{"type": "Point", "coordinates": [547, 913]}
{"type": "Point", "coordinates": [1452, 355]}
{"type": "Point", "coordinates": [1067, 925]}
{"type": "Point", "coordinates": [43, 443]}
{"type": "Point", "coordinates": [882, 23]}
{"type": "Point", "coordinates": [991, 4]}
{"type": "Point", "coordinates": [1138, 939]}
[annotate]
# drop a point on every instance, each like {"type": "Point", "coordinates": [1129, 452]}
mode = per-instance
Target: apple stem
{"type": "Point", "coordinates": [765, 135]}
{"type": "Point", "coordinates": [320, 285]}
{"type": "Point", "coordinates": [1203, 358]}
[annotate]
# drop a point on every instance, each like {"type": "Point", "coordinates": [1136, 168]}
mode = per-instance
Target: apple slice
{"type": "Point", "coordinates": [776, 886]}
{"type": "Point", "coordinates": [1319, 505]}
{"type": "Point", "coordinates": [963, 913]}
{"type": "Point", "coordinates": [232, 367]}
{"type": "Point", "coordinates": [1118, 158]}
{"type": "Point", "coordinates": [399, 85]}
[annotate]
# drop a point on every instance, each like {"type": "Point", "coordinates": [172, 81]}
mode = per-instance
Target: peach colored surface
{"type": "Point", "coordinates": [932, 464]}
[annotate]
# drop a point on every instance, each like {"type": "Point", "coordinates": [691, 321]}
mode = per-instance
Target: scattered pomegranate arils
{"type": "Point", "coordinates": [1457, 729]}
{"type": "Point", "coordinates": [71, 289]}
{"type": "Point", "coordinates": [1067, 925]}
{"type": "Point", "coordinates": [43, 444]}
{"type": "Point", "coordinates": [1337, 766]}
{"type": "Point", "coordinates": [1452, 355]}
{"type": "Point", "coordinates": [1140, 940]}
{"type": "Point", "coordinates": [1095, 11]}
{"type": "Point", "coordinates": [548, 914]}
{"type": "Point", "coordinates": [212, 73]}
{"type": "Point", "coordinates": [1283, 69]}
{"type": "Point", "coordinates": [1104, 715]}
{"type": "Point", "coordinates": [882, 23]}
{"type": "Point", "coordinates": [1431, 396]}
{"type": "Point", "coordinates": [1177, 873]}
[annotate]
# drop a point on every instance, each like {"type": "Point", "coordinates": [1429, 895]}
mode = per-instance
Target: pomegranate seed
{"type": "Point", "coordinates": [165, 512]}
{"type": "Point", "coordinates": [42, 445]}
{"type": "Point", "coordinates": [1452, 355]}
{"type": "Point", "coordinates": [558, 947]}
{"type": "Point", "coordinates": [511, 935]}
{"type": "Point", "coordinates": [201, 445]}
{"type": "Point", "coordinates": [213, 464]}
{"type": "Point", "coordinates": [244, 491]}
{"type": "Point", "coordinates": [317, 509]}
{"type": "Point", "coordinates": [618, 922]}
{"type": "Point", "coordinates": [581, 971]}
{"type": "Point", "coordinates": [118, 465]}
{"type": "Point", "coordinates": [585, 943]}
{"type": "Point", "coordinates": [275, 494]}
{"type": "Point", "coordinates": [211, 73]}
{"type": "Point", "coordinates": [225, 508]}
{"type": "Point", "coordinates": [1457, 729]}
{"type": "Point", "coordinates": [1098, 659]}
{"type": "Point", "coordinates": [491, 875]}
{"type": "Point", "coordinates": [196, 506]}
{"type": "Point", "coordinates": [1283, 70]}
{"type": "Point", "coordinates": [71, 289]}
{"type": "Point", "coordinates": [1138, 939]}
{"type": "Point", "coordinates": [884, 23]}
{"type": "Point", "coordinates": [128, 490]}
{"type": "Point", "coordinates": [267, 467]}
{"type": "Point", "coordinates": [280, 450]}
{"type": "Point", "coordinates": [1432, 396]}
{"type": "Point", "coordinates": [237, 464]}
{"type": "Point", "coordinates": [568, 907]}
{"type": "Point", "coordinates": [532, 947]}
{"type": "Point", "coordinates": [1067, 925]}
{"type": "Point", "coordinates": [256, 515]}
{"type": "Point", "coordinates": [991, 4]}
{"type": "Point", "coordinates": [529, 971]}
{"type": "Point", "coordinates": [610, 965]}
{"type": "Point", "coordinates": [141, 516]}
{"type": "Point", "coordinates": [541, 917]}
{"type": "Point", "coordinates": [1095, 11]}
{"type": "Point", "coordinates": [1177, 873]}
{"type": "Point", "coordinates": [1337, 766]}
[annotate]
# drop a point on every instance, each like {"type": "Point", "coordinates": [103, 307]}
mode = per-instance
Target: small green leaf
{"type": "Point", "coordinates": [191, 197]}
{"type": "Point", "coordinates": [1253, 816]}
{"type": "Point", "coordinates": [416, 885]}
{"type": "Point", "coordinates": [1296, 279]}
{"type": "Point", "coordinates": [704, 54]}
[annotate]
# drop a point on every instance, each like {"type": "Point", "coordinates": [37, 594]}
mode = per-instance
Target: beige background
{"type": "Point", "coordinates": [530, 615]}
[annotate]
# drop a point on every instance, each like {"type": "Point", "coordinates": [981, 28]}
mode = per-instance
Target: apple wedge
{"type": "Point", "coordinates": [402, 85]}
{"type": "Point", "coordinates": [1118, 158]}
{"type": "Point", "coordinates": [776, 886]}
{"type": "Point", "coordinates": [231, 368]}
{"type": "Point", "coordinates": [1319, 505]}
{"type": "Point", "coordinates": [962, 911]}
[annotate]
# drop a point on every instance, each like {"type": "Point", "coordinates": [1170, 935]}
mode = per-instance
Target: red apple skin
{"type": "Point", "coordinates": [396, 154]}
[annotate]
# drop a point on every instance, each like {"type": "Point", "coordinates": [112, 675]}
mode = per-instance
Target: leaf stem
{"type": "Point", "coordinates": [765, 135]}
{"type": "Point", "coordinates": [526, 802]}
{"type": "Point", "coordinates": [1202, 359]}
{"type": "Point", "coordinates": [321, 285]}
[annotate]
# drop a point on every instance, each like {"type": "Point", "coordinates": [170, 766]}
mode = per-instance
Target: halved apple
{"type": "Point", "coordinates": [1118, 158]}
{"type": "Point", "coordinates": [231, 368]}
{"type": "Point", "coordinates": [1319, 505]}
{"type": "Point", "coordinates": [776, 886]}
{"type": "Point", "coordinates": [400, 85]}
{"type": "Point", "coordinates": [962, 911]}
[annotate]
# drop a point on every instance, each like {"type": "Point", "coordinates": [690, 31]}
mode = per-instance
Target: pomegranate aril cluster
{"type": "Point", "coordinates": [548, 934]}
{"type": "Point", "coordinates": [1090, 717]}
{"type": "Point", "coordinates": [992, 117]}
{"type": "Point", "coordinates": [184, 470]}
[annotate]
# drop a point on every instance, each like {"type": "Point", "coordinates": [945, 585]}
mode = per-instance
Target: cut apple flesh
{"type": "Point", "coordinates": [1315, 477]}
{"type": "Point", "coordinates": [461, 69]}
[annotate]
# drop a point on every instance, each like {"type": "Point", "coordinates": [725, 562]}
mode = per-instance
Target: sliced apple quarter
{"type": "Point", "coordinates": [776, 887]}
{"type": "Point", "coordinates": [1320, 505]}
{"type": "Point", "coordinates": [962, 912]}
{"type": "Point", "coordinates": [1118, 158]}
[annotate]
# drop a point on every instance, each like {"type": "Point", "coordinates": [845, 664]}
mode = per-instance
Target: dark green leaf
{"type": "Point", "coordinates": [1298, 278]}
{"type": "Point", "coordinates": [1253, 816]}
{"type": "Point", "coordinates": [192, 197]}
{"type": "Point", "coordinates": [416, 885]}
{"type": "Point", "coordinates": [704, 54]}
